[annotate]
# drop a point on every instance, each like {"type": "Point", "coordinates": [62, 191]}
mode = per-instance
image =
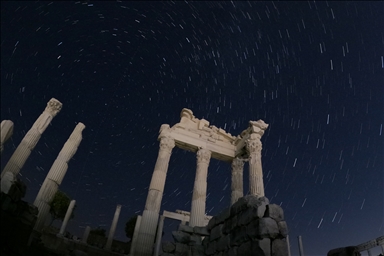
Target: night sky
{"type": "Point", "coordinates": [312, 70]}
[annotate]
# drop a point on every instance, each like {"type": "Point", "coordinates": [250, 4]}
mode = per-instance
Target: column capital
{"type": "Point", "coordinates": [203, 155]}
{"type": "Point", "coordinates": [53, 106]}
{"type": "Point", "coordinates": [253, 145]}
{"type": "Point", "coordinates": [167, 144]}
{"type": "Point", "coordinates": [237, 164]}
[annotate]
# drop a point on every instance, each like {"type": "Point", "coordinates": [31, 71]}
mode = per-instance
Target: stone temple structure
{"type": "Point", "coordinates": [207, 141]}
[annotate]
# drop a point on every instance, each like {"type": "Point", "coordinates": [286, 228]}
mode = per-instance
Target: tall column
{"type": "Point", "coordinates": [6, 132]}
{"type": "Point", "coordinates": [67, 216]}
{"type": "Point", "coordinates": [135, 235]}
{"type": "Point", "coordinates": [301, 250]}
{"type": "Point", "coordinates": [87, 230]}
{"type": "Point", "coordinates": [113, 227]}
{"type": "Point", "coordinates": [56, 175]}
{"type": "Point", "coordinates": [200, 188]}
{"type": "Point", "coordinates": [147, 231]}
{"type": "Point", "coordinates": [256, 184]}
{"type": "Point", "coordinates": [159, 235]}
{"type": "Point", "coordinates": [22, 152]}
{"type": "Point", "coordinates": [237, 180]}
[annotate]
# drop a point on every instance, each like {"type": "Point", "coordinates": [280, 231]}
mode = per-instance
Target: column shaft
{"type": "Point", "coordinates": [200, 188]}
{"type": "Point", "coordinates": [237, 180]}
{"type": "Point", "coordinates": [135, 235]}
{"type": "Point", "coordinates": [113, 227]}
{"type": "Point", "coordinates": [22, 152]}
{"type": "Point", "coordinates": [6, 132]}
{"type": "Point", "coordinates": [256, 184]}
{"type": "Point", "coordinates": [56, 175]}
{"type": "Point", "coordinates": [158, 235]}
{"type": "Point", "coordinates": [67, 216]}
{"type": "Point", "coordinates": [87, 230]}
{"type": "Point", "coordinates": [146, 237]}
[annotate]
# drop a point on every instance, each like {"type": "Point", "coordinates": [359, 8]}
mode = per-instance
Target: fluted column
{"type": "Point", "coordinates": [159, 235]}
{"type": "Point", "coordinates": [237, 180]}
{"type": "Point", "coordinates": [256, 184]}
{"type": "Point", "coordinates": [113, 227]}
{"type": "Point", "coordinates": [135, 235]}
{"type": "Point", "coordinates": [147, 231]}
{"type": "Point", "coordinates": [87, 230]}
{"type": "Point", "coordinates": [6, 132]}
{"type": "Point", "coordinates": [22, 152]}
{"type": "Point", "coordinates": [200, 188]}
{"type": "Point", "coordinates": [67, 216]}
{"type": "Point", "coordinates": [56, 175]}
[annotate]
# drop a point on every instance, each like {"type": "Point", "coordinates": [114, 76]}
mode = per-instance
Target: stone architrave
{"type": "Point", "coordinates": [146, 237]}
{"type": "Point", "coordinates": [6, 132]}
{"type": "Point", "coordinates": [237, 180]}
{"type": "Point", "coordinates": [200, 188]}
{"type": "Point", "coordinates": [22, 152]}
{"type": "Point", "coordinates": [87, 230]}
{"type": "Point", "coordinates": [254, 147]}
{"type": "Point", "coordinates": [56, 175]}
{"type": "Point", "coordinates": [67, 216]}
{"type": "Point", "coordinates": [113, 227]}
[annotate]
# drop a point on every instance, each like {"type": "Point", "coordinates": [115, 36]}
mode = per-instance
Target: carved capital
{"type": "Point", "coordinates": [167, 144]}
{"type": "Point", "coordinates": [53, 107]}
{"type": "Point", "coordinates": [203, 155]}
{"type": "Point", "coordinates": [253, 145]}
{"type": "Point", "coordinates": [237, 164]}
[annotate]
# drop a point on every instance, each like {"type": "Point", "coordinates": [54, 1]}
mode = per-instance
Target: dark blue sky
{"type": "Point", "coordinates": [312, 70]}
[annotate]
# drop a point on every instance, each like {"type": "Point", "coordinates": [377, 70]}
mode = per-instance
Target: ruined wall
{"type": "Point", "coordinates": [251, 226]}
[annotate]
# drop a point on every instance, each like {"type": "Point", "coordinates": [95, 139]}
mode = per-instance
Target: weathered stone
{"type": "Point", "coordinates": [224, 215]}
{"type": "Point", "coordinates": [186, 228]}
{"type": "Point", "coordinates": [216, 232]}
{"type": "Point", "coordinates": [223, 243]}
{"type": "Point", "coordinates": [181, 237]}
{"type": "Point", "coordinates": [263, 228]}
{"type": "Point", "coordinates": [255, 212]}
{"type": "Point", "coordinates": [203, 231]}
{"type": "Point", "coordinates": [211, 248]}
{"type": "Point", "coordinates": [279, 248]}
{"type": "Point", "coordinates": [195, 240]}
{"type": "Point", "coordinates": [257, 248]}
{"type": "Point", "coordinates": [168, 246]}
{"type": "Point", "coordinates": [181, 249]}
{"type": "Point", "coordinates": [283, 229]}
{"type": "Point", "coordinates": [239, 206]}
{"type": "Point", "coordinates": [205, 241]}
{"type": "Point", "coordinates": [197, 250]}
{"type": "Point", "coordinates": [344, 251]}
{"type": "Point", "coordinates": [227, 226]}
{"type": "Point", "coordinates": [233, 251]}
{"type": "Point", "coordinates": [275, 212]}
{"type": "Point", "coordinates": [211, 223]}
{"type": "Point", "coordinates": [167, 254]}
{"type": "Point", "coordinates": [238, 236]}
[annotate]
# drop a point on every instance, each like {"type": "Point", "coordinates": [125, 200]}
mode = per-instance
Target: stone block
{"type": "Point", "coordinates": [239, 206]}
{"type": "Point", "coordinates": [205, 241]}
{"type": "Point", "coordinates": [263, 228]}
{"type": "Point", "coordinates": [181, 249]}
{"type": "Point", "coordinates": [255, 248]}
{"type": "Point", "coordinates": [279, 248]}
{"type": "Point", "coordinates": [211, 248]}
{"type": "Point", "coordinates": [195, 240]}
{"type": "Point", "coordinates": [223, 243]}
{"type": "Point", "coordinates": [211, 223]}
{"type": "Point", "coordinates": [233, 251]}
{"type": "Point", "coordinates": [167, 254]}
{"type": "Point", "coordinates": [216, 232]}
{"type": "Point", "coordinates": [203, 231]}
{"type": "Point", "coordinates": [168, 246]}
{"type": "Point", "coordinates": [238, 236]}
{"type": "Point", "coordinates": [185, 228]}
{"type": "Point", "coordinates": [227, 226]}
{"type": "Point", "coordinates": [224, 215]}
{"type": "Point", "coordinates": [275, 212]}
{"type": "Point", "coordinates": [197, 250]}
{"type": "Point", "coordinates": [181, 237]}
{"type": "Point", "coordinates": [255, 212]}
{"type": "Point", "coordinates": [283, 229]}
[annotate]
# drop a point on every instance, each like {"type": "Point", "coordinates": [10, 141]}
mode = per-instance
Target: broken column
{"type": "Point", "coordinates": [56, 175]}
{"type": "Point", "coordinates": [147, 231]}
{"type": "Point", "coordinates": [22, 152]}
{"type": "Point", "coordinates": [6, 132]}
{"type": "Point", "coordinates": [237, 180]}
{"type": "Point", "coordinates": [87, 230]}
{"type": "Point", "coordinates": [113, 227]}
{"type": "Point", "coordinates": [200, 188]}
{"type": "Point", "coordinates": [254, 146]}
{"type": "Point", "coordinates": [67, 216]}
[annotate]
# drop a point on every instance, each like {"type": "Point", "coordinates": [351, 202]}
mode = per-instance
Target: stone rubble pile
{"type": "Point", "coordinates": [251, 226]}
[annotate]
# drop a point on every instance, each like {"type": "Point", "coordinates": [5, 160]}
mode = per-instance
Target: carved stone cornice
{"type": "Point", "coordinates": [203, 155]}
{"type": "Point", "coordinates": [167, 144]}
{"type": "Point", "coordinates": [53, 107]}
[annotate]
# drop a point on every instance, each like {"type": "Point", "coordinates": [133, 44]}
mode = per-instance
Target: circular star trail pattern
{"type": "Point", "coordinates": [312, 70]}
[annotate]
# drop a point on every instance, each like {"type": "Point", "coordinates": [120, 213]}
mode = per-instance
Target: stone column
{"type": "Point", "coordinates": [56, 175]}
{"type": "Point", "coordinates": [200, 188]}
{"type": "Point", "coordinates": [237, 180]}
{"type": "Point", "coordinates": [67, 216]}
{"type": "Point", "coordinates": [113, 227]}
{"type": "Point", "coordinates": [147, 231]}
{"type": "Point", "coordinates": [6, 132]}
{"type": "Point", "coordinates": [87, 230]}
{"type": "Point", "coordinates": [135, 234]}
{"type": "Point", "coordinates": [22, 152]}
{"type": "Point", "coordinates": [159, 235]}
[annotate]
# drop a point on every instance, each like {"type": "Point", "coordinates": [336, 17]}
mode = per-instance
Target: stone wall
{"type": "Point", "coordinates": [251, 226]}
